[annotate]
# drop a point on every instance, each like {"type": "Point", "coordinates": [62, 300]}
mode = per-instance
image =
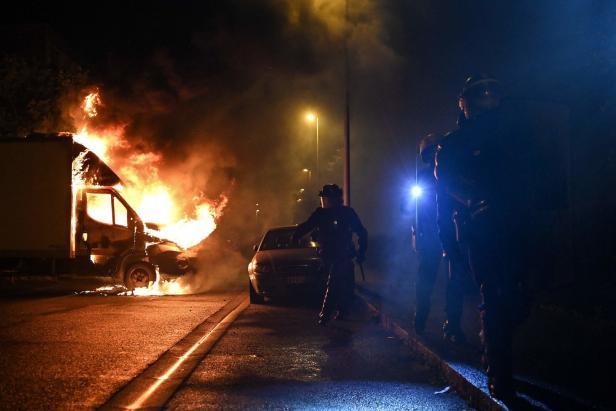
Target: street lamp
{"type": "Point", "coordinates": [314, 118]}
{"type": "Point", "coordinates": [309, 174]}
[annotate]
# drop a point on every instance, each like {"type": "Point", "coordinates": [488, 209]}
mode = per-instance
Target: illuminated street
{"type": "Point", "coordinates": [77, 351]}
{"type": "Point", "coordinates": [278, 358]}
{"type": "Point", "coordinates": [308, 204]}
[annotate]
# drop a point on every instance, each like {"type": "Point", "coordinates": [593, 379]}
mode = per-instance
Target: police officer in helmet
{"type": "Point", "coordinates": [429, 252]}
{"type": "Point", "coordinates": [335, 224]}
{"type": "Point", "coordinates": [481, 197]}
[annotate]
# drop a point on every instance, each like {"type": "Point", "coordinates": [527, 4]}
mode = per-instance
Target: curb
{"type": "Point", "coordinates": [156, 385]}
{"type": "Point", "coordinates": [476, 396]}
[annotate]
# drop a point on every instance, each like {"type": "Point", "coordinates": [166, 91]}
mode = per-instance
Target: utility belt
{"type": "Point", "coordinates": [336, 254]}
{"type": "Point", "coordinates": [481, 219]}
{"type": "Point", "coordinates": [473, 204]}
{"type": "Point", "coordinates": [471, 214]}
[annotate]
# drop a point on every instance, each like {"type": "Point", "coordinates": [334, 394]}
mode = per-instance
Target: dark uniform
{"type": "Point", "coordinates": [482, 198]}
{"type": "Point", "coordinates": [334, 231]}
{"type": "Point", "coordinates": [430, 253]}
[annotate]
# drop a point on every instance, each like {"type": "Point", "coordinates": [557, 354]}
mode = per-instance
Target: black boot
{"type": "Point", "coordinates": [501, 389]}
{"type": "Point", "coordinates": [453, 333]}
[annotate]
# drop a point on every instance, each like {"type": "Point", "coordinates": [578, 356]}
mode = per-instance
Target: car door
{"type": "Point", "coordinates": [110, 230]}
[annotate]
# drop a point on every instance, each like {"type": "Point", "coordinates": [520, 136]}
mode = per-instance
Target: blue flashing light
{"type": "Point", "coordinates": [416, 191]}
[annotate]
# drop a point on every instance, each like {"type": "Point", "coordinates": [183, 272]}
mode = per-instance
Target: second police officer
{"type": "Point", "coordinates": [428, 249]}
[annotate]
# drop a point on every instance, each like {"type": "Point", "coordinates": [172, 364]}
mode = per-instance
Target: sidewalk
{"type": "Point", "coordinates": [562, 358]}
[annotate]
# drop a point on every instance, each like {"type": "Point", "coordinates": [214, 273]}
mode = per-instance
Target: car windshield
{"type": "Point", "coordinates": [281, 239]}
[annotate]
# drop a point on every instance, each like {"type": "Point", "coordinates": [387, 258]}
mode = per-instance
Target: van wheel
{"type": "Point", "coordinates": [139, 275]}
{"type": "Point", "coordinates": [255, 298]}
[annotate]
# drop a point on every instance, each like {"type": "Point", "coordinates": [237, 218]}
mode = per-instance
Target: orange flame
{"type": "Point", "coordinates": [155, 198]}
{"type": "Point", "coordinates": [91, 103]}
{"type": "Point", "coordinates": [176, 286]}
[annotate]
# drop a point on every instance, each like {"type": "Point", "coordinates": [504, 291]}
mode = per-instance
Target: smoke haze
{"type": "Point", "coordinates": [221, 88]}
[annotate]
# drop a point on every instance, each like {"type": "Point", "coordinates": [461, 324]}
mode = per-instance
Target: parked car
{"type": "Point", "coordinates": [281, 267]}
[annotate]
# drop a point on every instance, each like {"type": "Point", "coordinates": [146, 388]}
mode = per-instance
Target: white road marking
{"type": "Point", "coordinates": [221, 326]}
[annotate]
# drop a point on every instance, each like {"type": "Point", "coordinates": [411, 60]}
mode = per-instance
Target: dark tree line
{"type": "Point", "coordinates": [34, 94]}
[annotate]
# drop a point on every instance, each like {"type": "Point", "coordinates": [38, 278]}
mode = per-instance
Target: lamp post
{"type": "Point", "coordinates": [347, 120]}
{"type": "Point", "coordinates": [308, 173]}
{"type": "Point", "coordinates": [314, 118]}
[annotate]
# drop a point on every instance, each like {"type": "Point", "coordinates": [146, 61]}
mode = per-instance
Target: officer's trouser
{"type": "Point", "coordinates": [339, 291]}
{"type": "Point", "coordinates": [496, 265]}
{"type": "Point", "coordinates": [429, 260]}
{"type": "Point", "coordinates": [457, 275]}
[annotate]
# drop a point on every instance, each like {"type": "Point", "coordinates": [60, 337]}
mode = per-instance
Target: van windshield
{"type": "Point", "coordinates": [281, 239]}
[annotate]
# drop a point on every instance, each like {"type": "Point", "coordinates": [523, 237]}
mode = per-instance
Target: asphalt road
{"type": "Point", "coordinates": [276, 357]}
{"type": "Point", "coordinates": [73, 352]}
{"type": "Point", "coordinates": [76, 352]}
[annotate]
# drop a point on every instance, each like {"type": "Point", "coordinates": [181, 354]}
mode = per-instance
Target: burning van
{"type": "Point", "coordinates": [63, 212]}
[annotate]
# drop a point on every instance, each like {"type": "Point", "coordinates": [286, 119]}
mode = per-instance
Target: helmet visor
{"type": "Point", "coordinates": [483, 89]}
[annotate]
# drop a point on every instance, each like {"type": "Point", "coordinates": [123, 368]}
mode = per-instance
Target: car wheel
{"type": "Point", "coordinates": [255, 298]}
{"type": "Point", "coordinates": [139, 275]}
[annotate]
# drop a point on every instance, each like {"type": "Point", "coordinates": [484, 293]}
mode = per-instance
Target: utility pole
{"type": "Point", "coordinates": [347, 122]}
{"type": "Point", "coordinates": [318, 169]}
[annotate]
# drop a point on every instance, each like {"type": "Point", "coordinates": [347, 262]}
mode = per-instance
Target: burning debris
{"type": "Point", "coordinates": [160, 287]}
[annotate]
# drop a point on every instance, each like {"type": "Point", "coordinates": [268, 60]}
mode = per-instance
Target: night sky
{"type": "Point", "coordinates": [241, 74]}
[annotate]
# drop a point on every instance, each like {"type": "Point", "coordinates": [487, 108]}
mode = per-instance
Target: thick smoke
{"type": "Point", "coordinates": [224, 105]}
{"type": "Point", "coordinates": [235, 78]}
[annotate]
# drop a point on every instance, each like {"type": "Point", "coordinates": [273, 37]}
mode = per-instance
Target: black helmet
{"type": "Point", "coordinates": [481, 92]}
{"type": "Point", "coordinates": [427, 148]}
{"type": "Point", "coordinates": [330, 190]}
{"type": "Point", "coordinates": [481, 84]}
